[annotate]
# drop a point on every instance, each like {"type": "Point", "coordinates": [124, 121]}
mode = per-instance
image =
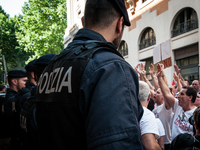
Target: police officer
{"type": "Point", "coordinates": [87, 97]}
{"type": "Point", "coordinates": [16, 81]}
{"type": "Point", "coordinates": [30, 67]}
{"type": "Point", "coordinates": [24, 93]}
{"type": "Point", "coordinates": [30, 137]}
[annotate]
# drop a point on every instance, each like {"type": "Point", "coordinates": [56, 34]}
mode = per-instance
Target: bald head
{"type": "Point", "coordinates": [195, 84]}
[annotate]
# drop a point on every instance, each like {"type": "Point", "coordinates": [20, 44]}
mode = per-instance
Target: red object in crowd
{"type": "Point", "coordinates": [173, 83]}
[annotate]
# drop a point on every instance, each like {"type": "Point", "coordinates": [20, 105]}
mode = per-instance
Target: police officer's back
{"type": "Point", "coordinates": [30, 137]}
{"type": "Point", "coordinates": [87, 97]}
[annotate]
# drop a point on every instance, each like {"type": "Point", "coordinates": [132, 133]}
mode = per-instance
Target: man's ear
{"type": "Point", "coordinates": [190, 97]}
{"type": "Point", "coordinates": [82, 21]}
{"type": "Point", "coordinates": [149, 97]}
{"type": "Point", "coordinates": [32, 75]}
{"type": "Point", "coordinates": [119, 26]}
{"type": "Point", "coordinates": [14, 81]}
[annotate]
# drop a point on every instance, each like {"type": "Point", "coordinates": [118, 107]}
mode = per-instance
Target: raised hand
{"type": "Point", "coordinates": [175, 76]}
{"type": "Point", "coordinates": [151, 69]}
{"type": "Point", "coordinates": [177, 69]}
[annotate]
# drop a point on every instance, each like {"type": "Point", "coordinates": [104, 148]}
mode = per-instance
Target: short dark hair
{"type": "Point", "coordinates": [38, 71]}
{"type": "Point", "coordinates": [99, 13]}
{"type": "Point", "coordinates": [9, 80]}
{"type": "Point", "coordinates": [191, 92]}
{"type": "Point", "coordinates": [187, 81]}
{"type": "Point", "coordinates": [29, 74]}
{"type": "Point", "coordinates": [196, 116]}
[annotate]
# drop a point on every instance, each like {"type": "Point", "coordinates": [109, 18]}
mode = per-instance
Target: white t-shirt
{"type": "Point", "coordinates": [161, 129]}
{"type": "Point", "coordinates": [165, 117]}
{"type": "Point", "coordinates": [148, 123]}
{"type": "Point", "coordinates": [180, 122]}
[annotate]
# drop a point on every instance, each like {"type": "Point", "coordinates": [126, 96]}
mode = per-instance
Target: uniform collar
{"type": "Point", "coordinates": [10, 91]}
{"type": "Point", "coordinates": [87, 34]}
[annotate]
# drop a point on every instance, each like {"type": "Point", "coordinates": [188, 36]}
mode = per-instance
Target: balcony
{"type": "Point", "coordinates": [185, 27]}
{"type": "Point", "coordinates": [147, 42]}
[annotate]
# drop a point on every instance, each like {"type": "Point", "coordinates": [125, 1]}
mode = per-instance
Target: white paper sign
{"type": "Point", "coordinates": [166, 49]}
{"type": "Point", "coordinates": [156, 54]}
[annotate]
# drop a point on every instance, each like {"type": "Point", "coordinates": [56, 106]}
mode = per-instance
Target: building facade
{"type": "Point", "coordinates": [152, 23]}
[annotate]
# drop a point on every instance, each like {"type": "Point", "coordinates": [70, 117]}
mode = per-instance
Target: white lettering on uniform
{"type": "Point", "coordinates": [45, 74]}
{"type": "Point", "coordinates": [68, 82]}
{"type": "Point", "coordinates": [51, 79]}
{"type": "Point", "coordinates": [59, 79]}
{"type": "Point", "coordinates": [55, 71]}
{"type": "Point", "coordinates": [47, 88]}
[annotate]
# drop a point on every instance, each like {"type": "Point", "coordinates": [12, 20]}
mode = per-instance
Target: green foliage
{"type": "Point", "coordinates": [9, 47]}
{"type": "Point", "coordinates": [43, 24]}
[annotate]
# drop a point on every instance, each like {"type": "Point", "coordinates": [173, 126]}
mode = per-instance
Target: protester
{"type": "Point", "coordinates": [183, 107]}
{"type": "Point", "coordinates": [148, 124]}
{"type": "Point", "coordinates": [197, 101]}
{"type": "Point", "coordinates": [195, 84]}
{"type": "Point", "coordinates": [161, 131]}
{"type": "Point", "coordinates": [188, 141]}
{"type": "Point", "coordinates": [160, 110]}
{"type": "Point", "coordinates": [196, 116]}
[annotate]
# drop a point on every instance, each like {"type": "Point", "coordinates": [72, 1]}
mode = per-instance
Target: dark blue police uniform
{"type": "Point", "coordinates": [22, 96]}
{"type": "Point", "coordinates": [12, 120]}
{"type": "Point", "coordinates": [107, 111]}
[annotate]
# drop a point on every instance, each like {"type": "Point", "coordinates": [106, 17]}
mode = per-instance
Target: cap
{"type": "Point", "coordinates": [30, 66]}
{"type": "Point", "coordinates": [45, 59]}
{"type": "Point", "coordinates": [120, 5]}
{"type": "Point", "coordinates": [17, 73]}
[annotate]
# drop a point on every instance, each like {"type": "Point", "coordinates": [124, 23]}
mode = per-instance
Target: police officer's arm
{"type": "Point", "coordinates": [149, 142]}
{"type": "Point", "coordinates": [168, 97]}
{"type": "Point", "coordinates": [111, 108]}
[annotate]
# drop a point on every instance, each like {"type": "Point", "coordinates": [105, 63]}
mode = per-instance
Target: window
{"type": "Point", "coordinates": [148, 38]}
{"type": "Point", "coordinates": [123, 48]}
{"type": "Point", "coordinates": [185, 22]}
{"type": "Point", "coordinates": [189, 67]}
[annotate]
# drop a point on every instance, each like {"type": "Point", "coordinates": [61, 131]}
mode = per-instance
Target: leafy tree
{"type": "Point", "coordinates": [43, 24]}
{"type": "Point", "coordinates": [9, 47]}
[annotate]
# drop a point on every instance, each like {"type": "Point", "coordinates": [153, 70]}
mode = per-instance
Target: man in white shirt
{"type": "Point", "coordinates": [183, 107]}
{"type": "Point", "coordinates": [164, 114]}
{"type": "Point", "coordinates": [148, 124]}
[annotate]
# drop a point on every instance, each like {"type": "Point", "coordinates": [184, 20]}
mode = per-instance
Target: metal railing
{"type": "Point", "coordinates": [185, 27]}
{"type": "Point", "coordinates": [147, 42]}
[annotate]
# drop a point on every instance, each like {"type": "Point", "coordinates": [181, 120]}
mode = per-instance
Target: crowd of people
{"type": "Point", "coordinates": [174, 104]}
{"type": "Point", "coordinates": [88, 97]}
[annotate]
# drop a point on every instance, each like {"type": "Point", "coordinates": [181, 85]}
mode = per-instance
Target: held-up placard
{"type": "Point", "coordinates": [162, 54]}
